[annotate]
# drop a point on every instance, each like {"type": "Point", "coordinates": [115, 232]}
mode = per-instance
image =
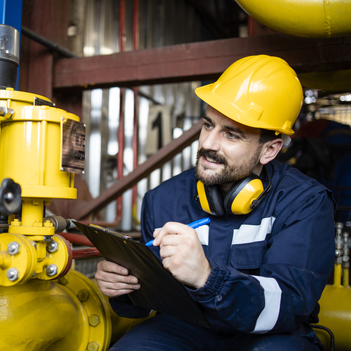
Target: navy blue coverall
{"type": "Point", "coordinates": [269, 268]}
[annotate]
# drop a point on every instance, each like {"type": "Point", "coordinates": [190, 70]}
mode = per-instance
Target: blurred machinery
{"type": "Point", "coordinates": [335, 314]}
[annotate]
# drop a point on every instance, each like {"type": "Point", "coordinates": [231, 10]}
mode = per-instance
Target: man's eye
{"type": "Point", "coordinates": [206, 125]}
{"type": "Point", "coordinates": [231, 135]}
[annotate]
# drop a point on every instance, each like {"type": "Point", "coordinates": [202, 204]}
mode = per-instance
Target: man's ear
{"type": "Point", "coordinates": [270, 150]}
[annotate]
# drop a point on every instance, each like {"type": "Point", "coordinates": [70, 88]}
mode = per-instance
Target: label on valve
{"type": "Point", "coordinates": [73, 146]}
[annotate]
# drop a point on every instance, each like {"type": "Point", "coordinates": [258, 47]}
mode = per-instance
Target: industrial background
{"type": "Point", "coordinates": [127, 69]}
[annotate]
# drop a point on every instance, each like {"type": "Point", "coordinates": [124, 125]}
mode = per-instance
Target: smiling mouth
{"type": "Point", "coordinates": [209, 159]}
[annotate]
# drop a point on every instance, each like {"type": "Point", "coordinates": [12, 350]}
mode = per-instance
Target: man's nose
{"type": "Point", "coordinates": [211, 141]}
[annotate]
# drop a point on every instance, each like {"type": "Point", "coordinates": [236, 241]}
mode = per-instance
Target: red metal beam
{"type": "Point", "coordinates": [197, 61]}
{"type": "Point", "coordinates": [77, 239]}
{"type": "Point", "coordinates": [154, 162]}
{"type": "Point", "coordinates": [85, 253]}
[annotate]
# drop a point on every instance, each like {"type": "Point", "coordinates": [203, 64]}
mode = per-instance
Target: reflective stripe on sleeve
{"type": "Point", "coordinates": [269, 315]}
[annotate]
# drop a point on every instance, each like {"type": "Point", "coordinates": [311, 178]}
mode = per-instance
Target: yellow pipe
{"type": "Point", "coordinates": [304, 18]}
{"type": "Point", "coordinates": [32, 212]}
{"type": "Point", "coordinates": [329, 80]}
{"type": "Point", "coordinates": [68, 314]}
{"type": "Point", "coordinates": [335, 314]}
{"type": "Point", "coordinates": [345, 277]}
{"type": "Point", "coordinates": [337, 274]}
{"type": "Point", "coordinates": [36, 315]}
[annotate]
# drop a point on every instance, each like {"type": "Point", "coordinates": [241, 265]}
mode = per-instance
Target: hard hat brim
{"type": "Point", "coordinates": [207, 94]}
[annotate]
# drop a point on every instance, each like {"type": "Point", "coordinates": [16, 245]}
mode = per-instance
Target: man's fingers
{"type": "Point", "coordinates": [118, 286]}
{"type": "Point", "coordinates": [112, 267]}
{"type": "Point", "coordinates": [115, 278]}
{"type": "Point", "coordinates": [167, 251]}
{"type": "Point", "coordinates": [169, 228]}
{"type": "Point", "coordinates": [111, 292]}
{"type": "Point", "coordinates": [170, 240]}
{"type": "Point", "coordinates": [116, 289]}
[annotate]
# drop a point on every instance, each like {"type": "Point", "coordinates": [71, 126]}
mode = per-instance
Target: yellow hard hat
{"type": "Point", "coordinates": [258, 91]}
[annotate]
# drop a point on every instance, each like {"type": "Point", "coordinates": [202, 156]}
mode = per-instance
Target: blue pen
{"type": "Point", "coordinates": [193, 225]}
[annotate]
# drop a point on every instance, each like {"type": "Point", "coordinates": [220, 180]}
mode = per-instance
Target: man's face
{"type": "Point", "coordinates": [228, 151]}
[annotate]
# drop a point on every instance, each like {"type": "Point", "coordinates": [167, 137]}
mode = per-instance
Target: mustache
{"type": "Point", "coordinates": [211, 154]}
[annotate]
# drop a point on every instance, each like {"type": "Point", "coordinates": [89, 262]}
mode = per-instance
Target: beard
{"type": "Point", "coordinates": [230, 173]}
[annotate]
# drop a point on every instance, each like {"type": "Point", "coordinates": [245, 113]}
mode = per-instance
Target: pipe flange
{"type": "Point", "coordinates": [95, 305]}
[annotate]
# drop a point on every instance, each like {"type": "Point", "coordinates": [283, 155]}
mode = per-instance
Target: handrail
{"type": "Point", "coordinates": [155, 161]}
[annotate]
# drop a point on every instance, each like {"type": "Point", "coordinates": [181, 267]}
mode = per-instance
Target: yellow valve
{"type": "Point", "coordinates": [39, 139]}
{"type": "Point", "coordinates": [37, 126]}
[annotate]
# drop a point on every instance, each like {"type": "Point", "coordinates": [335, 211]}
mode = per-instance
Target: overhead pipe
{"type": "Point", "coordinates": [62, 51]}
{"type": "Point", "coordinates": [306, 18]}
{"type": "Point", "coordinates": [303, 18]}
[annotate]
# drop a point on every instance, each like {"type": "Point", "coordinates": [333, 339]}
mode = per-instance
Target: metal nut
{"type": "Point", "coordinates": [83, 295]}
{"type": "Point", "coordinates": [52, 246]}
{"type": "Point", "coordinates": [64, 280]}
{"type": "Point", "coordinates": [94, 320]}
{"type": "Point", "coordinates": [12, 274]}
{"type": "Point", "coordinates": [13, 248]}
{"type": "Point", "coordinates": [51, 270]}
{"type": "Point", "coordinates": [93, 346]}
{"type": "Point", "coordinates": [6, 112]}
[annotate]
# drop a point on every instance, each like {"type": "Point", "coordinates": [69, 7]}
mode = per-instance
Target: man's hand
{"type": "Point", "coordinates": [113, 280]}
{"type": "Point", "coordinates": [182, 254]}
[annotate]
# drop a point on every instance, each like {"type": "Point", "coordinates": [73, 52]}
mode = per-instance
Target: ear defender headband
{"type": "Point", "coordinates": [243, 197]}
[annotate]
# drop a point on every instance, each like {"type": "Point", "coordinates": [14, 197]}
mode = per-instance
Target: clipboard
{"type": "Point", "coordinates": [159, 290]}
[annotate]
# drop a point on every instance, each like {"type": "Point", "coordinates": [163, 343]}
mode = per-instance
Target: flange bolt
{"type": "Point", "coordinates": [12, 274]}
{"type": "Point", "coordinates": [94, 320]}
{"type": "Point", "coordinates": [93, 346]}
{"type": "Point", "coordinates": [13, 248]}
{"type": "Point", "coordinates": [52, 246]}
{"type": "Point", "coordinates": [51, 270]}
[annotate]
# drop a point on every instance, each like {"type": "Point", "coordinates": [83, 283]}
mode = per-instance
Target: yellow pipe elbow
{"type": "Point", "coordinates": [304, 18]}
{"type": "Point", "coordinates": [328, 80]}
{"type": "Point", "coordinates": [335, 314]}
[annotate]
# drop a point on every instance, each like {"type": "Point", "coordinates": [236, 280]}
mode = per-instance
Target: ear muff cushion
{"type": "Point", "coordinates": [210, 198]}
{"type": "Point", "coordinates": [241, 196]}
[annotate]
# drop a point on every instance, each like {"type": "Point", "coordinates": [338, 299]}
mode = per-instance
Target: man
{"type": "Point", "coordinates": [261, 265]}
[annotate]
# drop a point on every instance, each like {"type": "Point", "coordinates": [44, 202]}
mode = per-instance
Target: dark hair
{"type": "Point", "coordinates": [268, 135]}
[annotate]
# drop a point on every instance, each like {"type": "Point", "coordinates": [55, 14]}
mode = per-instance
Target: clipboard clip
{"type": "Point", "coordinates": [107, 230]}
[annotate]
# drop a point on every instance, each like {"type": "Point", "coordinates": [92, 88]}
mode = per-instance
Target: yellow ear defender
{"type": "Point", "coordinates": [243, 197]}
